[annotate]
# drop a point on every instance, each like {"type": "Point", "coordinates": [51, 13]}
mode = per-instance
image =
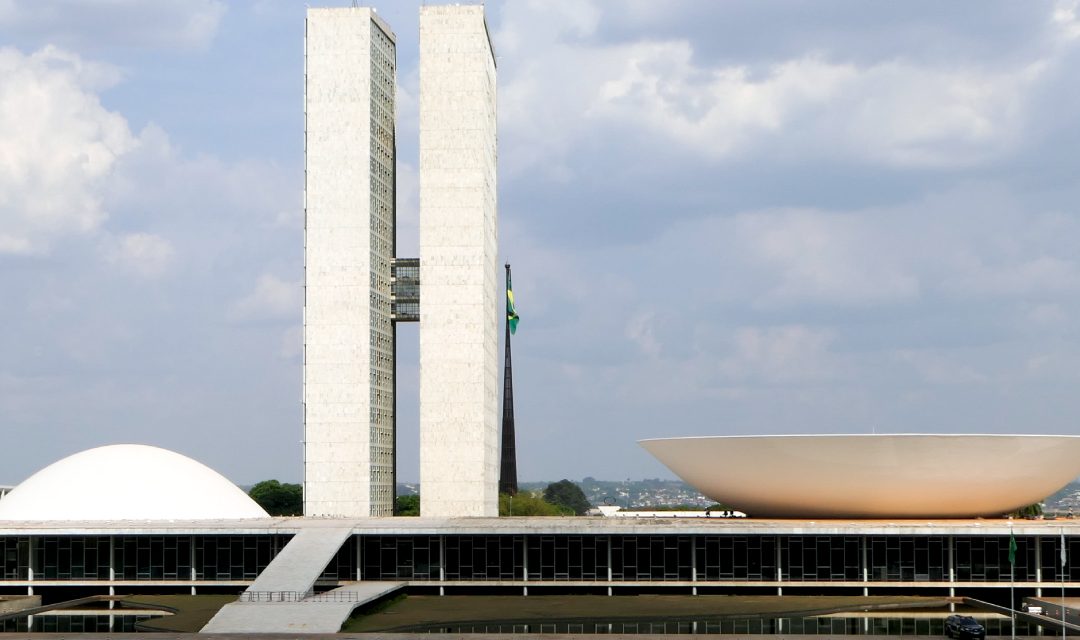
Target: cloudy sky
{"type": "Point", "coordinates": [745, 217]}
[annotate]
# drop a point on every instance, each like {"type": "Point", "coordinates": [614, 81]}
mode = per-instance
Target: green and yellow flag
{"type": "Point", "coordinates": [511, 313]}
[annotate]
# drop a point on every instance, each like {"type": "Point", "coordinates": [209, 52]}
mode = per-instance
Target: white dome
{"type": "Point", "coordinates": [127, 482]}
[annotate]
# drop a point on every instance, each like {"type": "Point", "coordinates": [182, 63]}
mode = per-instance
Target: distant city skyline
{"type": "Point", "coordinates": [746, 217]}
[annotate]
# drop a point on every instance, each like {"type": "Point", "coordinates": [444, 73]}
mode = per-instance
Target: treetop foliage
{"type": "Point", "coordinates": [407, 505]}
{"type": "Point", "coordinates": [565, 493]}
{"type": "Point", "coordinates": [279, 499]}
{"type": "Point", "coordinates": [528, 504]}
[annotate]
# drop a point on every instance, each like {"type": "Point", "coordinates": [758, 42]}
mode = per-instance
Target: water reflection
{"type": "Point", "coordinates": [74, 623]}
{"type": "Point", "coordinates": [854, 626]}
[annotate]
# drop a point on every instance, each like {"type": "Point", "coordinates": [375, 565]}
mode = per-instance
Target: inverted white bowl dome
{"type": "Point", "coordinates": [873, 476]}
{"type": "Point", "coordinates": [127, 482]}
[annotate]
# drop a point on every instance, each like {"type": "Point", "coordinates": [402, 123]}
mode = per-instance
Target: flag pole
{"type": "Point", "coordinates": [1063, 583]}
{"type": "Point", "coordinates": [508, 482]}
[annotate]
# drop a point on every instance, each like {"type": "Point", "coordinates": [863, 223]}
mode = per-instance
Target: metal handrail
{"type": "Point", "coordinates": [299, 596]}
{"type": "Point", "coordinates": [275, 596]}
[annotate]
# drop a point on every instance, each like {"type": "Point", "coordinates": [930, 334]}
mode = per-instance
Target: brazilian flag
{"type": "Point", "coordinates": [1012, 549]}
{"type": "Point", "coordinates": [511, 314]}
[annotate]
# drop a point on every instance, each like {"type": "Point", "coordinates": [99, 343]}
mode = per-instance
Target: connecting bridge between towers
{"type": "Point", "coordinates": [405, 289]}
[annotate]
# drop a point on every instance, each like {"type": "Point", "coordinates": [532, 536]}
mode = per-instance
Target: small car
{"type": "Point", "coordinates": [964, 627]}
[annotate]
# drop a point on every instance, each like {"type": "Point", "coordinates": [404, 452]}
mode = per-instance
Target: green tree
{"type": "Point", "coordinates": [407, 505]}
{"type": "Point", "coordinates": [528, 504]}
{"type": "Point", "coordinates": [567, 494]}
{"type": "Point", "coordinates": [279, 499]}
{"type": "Point", "coordinates": [1030, 511]}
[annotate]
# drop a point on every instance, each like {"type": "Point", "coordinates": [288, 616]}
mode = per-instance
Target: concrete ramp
{"type": "Point", "coordinates": [302, 561]}
{"type": "Point", "coordinates": [283, 591]}
{"type": "Point", "coordinates": [322, 613]}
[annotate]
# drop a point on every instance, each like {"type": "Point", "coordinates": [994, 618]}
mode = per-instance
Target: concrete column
{"type": "Point", "coordinates": [30, 572]}
{"type": "Point", "coordinates": [779, 568]}
{"type": "Point", "coordinates": [693, 563]}
{"type": "Point", "coordinates": [112, 575]}
{"type": "Point", "coordinates": [194, 573]}
{"type": "Point", "coordinates": [865, 565]}
{"type": "Point", "coordinates": [360, 559]}
{"type": "Point", "coordinates": [609, 571]}
{"type": "Point", "coordinates": [525, 564]}
{"type": "Point", "coordinates": [1038, 568]}
{"type": "Point", "coordinates": [952, 574]}
{"type": "Point", "coordinates": [442, 565]}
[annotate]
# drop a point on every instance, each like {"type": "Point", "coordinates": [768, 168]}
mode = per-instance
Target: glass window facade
{"type": "Point", "coordinates": [821, 558]}
{"type": "Point", "coordinates": [14, 558]}
{"type": "Point", "coordinates": [162, 558]}
{"type": "Point", "coordinates": [399, 558]}
{"type": "Point", "coordinates": [660, 558]}
{"type": "Point", "coordinates": [908, 559]}
{"type": "Point", "coordinates": [552, 558]}
{"type": "Point", "coordinates": [750, 558]}
{"type": "Point", "coordinates": [567, 558]}
{"type": "Point", "coordinates": [71, 558]}
{"type": "Point", "coordinates": [987, 559]}
{"type": "Point", "coordinates": [235, 557]}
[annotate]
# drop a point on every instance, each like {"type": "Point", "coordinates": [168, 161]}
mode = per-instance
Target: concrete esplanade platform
{"type": "Point", "coordinates": [580, 525]}
{"type": "Point", "coordinates": [558, 525]}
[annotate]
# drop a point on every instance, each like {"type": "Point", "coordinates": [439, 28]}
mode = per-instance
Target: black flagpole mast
{"type": "Point", "coordinates": [508, 469]}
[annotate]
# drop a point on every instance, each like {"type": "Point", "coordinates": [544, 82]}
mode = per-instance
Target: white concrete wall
{"type": "Point", "coordinates": [348, 343]}
{"type": "Point", "coordinates": [459, 303]}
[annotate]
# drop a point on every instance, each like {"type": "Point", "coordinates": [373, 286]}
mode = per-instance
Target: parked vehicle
{"type": "Point", "coordinates": [964, 627]}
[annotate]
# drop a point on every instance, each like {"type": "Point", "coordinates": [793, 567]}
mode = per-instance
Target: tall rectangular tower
{"type": "Point", "coordinates": [349, 81]}
{"type": "Point", "coordinates": [459, 271]}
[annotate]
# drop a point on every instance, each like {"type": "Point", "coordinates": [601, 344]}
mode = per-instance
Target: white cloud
{"type": "Point", "coordinates": [161, 24]}
{"type": "Point", "coordinates": [1066, 17]}
{"type": "Point", "coordinates": [143, 254]}
{"type": "Point", "coordinates": [272, 298]}
{"type": "Point", "coordinates": [896, 112]}
{"type": "Point", "coordinates": [714, 111]}
{"type": "Point", "coordinates": [58, 147]}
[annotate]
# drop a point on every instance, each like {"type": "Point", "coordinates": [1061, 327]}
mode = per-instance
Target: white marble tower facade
{"type": "Point", "coordinates": [349, 84]}
{"type": "Point", "coordinates": [459, 271]}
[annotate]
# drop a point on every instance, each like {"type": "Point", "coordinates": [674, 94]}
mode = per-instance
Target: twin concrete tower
{"type": "Point", "coordinates": [357, 289]}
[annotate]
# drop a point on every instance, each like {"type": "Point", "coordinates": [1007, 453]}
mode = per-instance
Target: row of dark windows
{"type": "Point", "coordinates": [704, 558]}
{"type": "Point", "coordinates": [138, 557]}
{"type": "Point", "coordinates": [550, 558]}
